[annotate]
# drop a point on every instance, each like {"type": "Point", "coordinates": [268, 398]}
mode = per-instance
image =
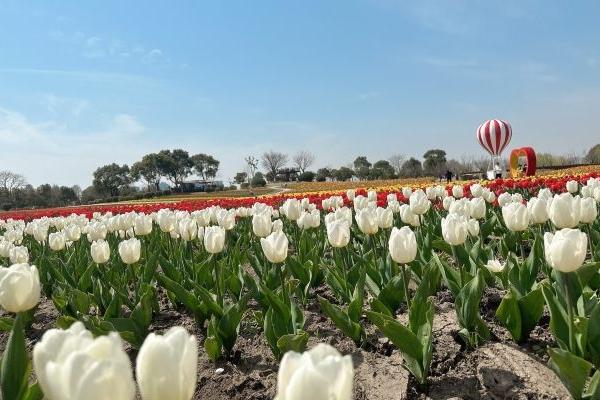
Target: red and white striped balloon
{"type": "Point", "coordinates": [494, 135]}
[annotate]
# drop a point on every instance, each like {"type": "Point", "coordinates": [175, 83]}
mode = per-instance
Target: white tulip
{"type": "Point", "coordinates": [473, 227]}
{"type": "Point", "coordinates": [408, 217]}
{"type": "Point", "coordinates": [261, 224]}
{"type": "Point", "coordinates": [187, 229]}
{"type": "Point", "coordinates": [338, 233]}
{"type": "Point", "coordinates": [516, 217]}
{"type": "Point", "coordinates": [419, 204]}
{"type": "Point", "coordinates": [291, 209]}
{"type": "Point", "coordinates": [73, 233]}
{"type": "Point", "coordinates": [588, 211]}
{"type": "Point", "coordinates": [461, 207]}
{"type": "Point", "coordinates": [166, 220]}
{"type": "Point", "coordinates": [19, 287]}
{"type": "Point", "coordinates": [366, 219]}
{"type": "Point", "coordinates": [277, 225]}
{"type": "Point", "coordinates": [167, 365]}
{"type": "Point", "coordinates": [372, 195]}
{"type": "Point", "coordinates": [385, 217]}
{"type": "Point", "coordinates": [564, 210]}
{"type": "Point", "coordinates": [477, 208]}
{"type": "Point", "coordinates": [455, 229]}
{"type": "Point", "coordinates": [57, 241]}
{"type": "Point", "coordinates": [457, 191]}
{"type": "Point", "coordinates": [360, 202]}
{"type": "Point", "coordinates": [476, 190]}
{"type": "Point", "coordinates": [572, 186]}
{"type": "Point", "coordinates": [406, 192]}
{"type": "Point", "coordinates": [538, 210]}
{"type": "Point", "coordinates": [226, 219]}
{"type": "Point", "coordinates": [495, 266]}
{"type": "Point", "coordinates": [504, 199]}
{"type": "Point", "coordinates": [566, 249]}
{"type": "Point", "coordinates": [403, 245]}
{"type": "Point", "coordinates": [72, 365]}
{"type": "Point", "coordinates": [19, 255]}
{"type": "Point", "coordinates": [143, 225]}
{"type": "Point", "coordinates": [275, 247]}
{"type": "Point", "coordinates": [321, 374]}
{"type": "Point", "coordinates": [309, 219]}
{"type": "Point", "coordinates": [350, 194]}
{"type": "Point", "coordinates": [100, 251]}
{"type": "Point", "coordinates": [130, 250]}
{"type": "Point", "coordinates": [447, 202]}
{"type": "Point", "coordinates": [214, 239]}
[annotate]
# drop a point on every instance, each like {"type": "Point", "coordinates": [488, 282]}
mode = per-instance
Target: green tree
{"type": "Point", "coordinates": [110, 178]}
{"type": "Point", "coordinates": [411, 168]}
{"type": "Point", "coordinates": [362, 167]}
{"type": "Point", "coordinates": [148, 169]}
{"type": "Point", "coordinates": [307, 176]}
{"type": "Point", "coordinates": [240, 177]}
{"type": "Point", "coordinates": [258, 180]}
{"type": "Point", "coordinates": [175, 165]}
{"type": "Point", "coordinates": [205, 165]}
{"type": "Point", "coordinates": [344, 174]}
{"type": "Point", "coordinates": [435, 161]}
{"type": "Point", "coordinates": [593, 156]}
{"type": "Point", "coordinates": [382, 169]}
{"type": "Point", "coordinates": [323, 174]}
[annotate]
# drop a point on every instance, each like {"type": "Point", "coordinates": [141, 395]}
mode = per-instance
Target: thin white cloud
{"type": "Point", "coordinates": [86, 75]}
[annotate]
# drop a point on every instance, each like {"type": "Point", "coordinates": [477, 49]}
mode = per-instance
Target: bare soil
{"type": "Point", "coordinates": [498, 370]}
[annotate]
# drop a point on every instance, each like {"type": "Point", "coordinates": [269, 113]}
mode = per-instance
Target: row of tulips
{"type": "Point", "coordinates": [378, 256]}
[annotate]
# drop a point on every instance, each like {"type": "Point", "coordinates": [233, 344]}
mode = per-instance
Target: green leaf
{"type": "Point", "coordinates": [392, 294]}
{"type": "Point", "coordinates": [451, 276]}
{"type": "Point", "coordinates": [573, 371]}
{"type": "Point", "coordinates": [593, 336]}
{"type": "Point", "coordinates": [592, 391]}
{"type": "Point", "coordinates": [15, 364]}
{"type": "Point", "coordinates": [406, 341]}
{"type": "Point", "coordinates": [356, 305]}
{"type": "Point", "coordinates": [467, 310]}
{"type": "Point", "coordinates": [532, 308]}
{"type": "Point", "coordinates": [34, 392]}
{"type": "Point", "coordinates": [559, 325]}
{"type": "Point", "coordinates": [212, 345]}
{"type": "Point", "coordinates": [293, 342]}
{"type": "Point", "coordinates": [343, 321]}
{"type": "Point", "coordinates": [184, 296]}
{"type": "Point", "coordinates": [509, 314]}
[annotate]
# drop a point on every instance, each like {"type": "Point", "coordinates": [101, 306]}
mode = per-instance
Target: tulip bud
{"type": "Point", "coordinates": [338, 233]}
{"type": "Point", "coordinates": [457, 191]}
{"type": "Point", "coordinates": [291, 209]}
{"type": "Point", "coordinates": [385, 217]}
{"type": "Point", "coordinates": [504, 199]}
{"type": "Point", "coordinates": [473, 227]}
{"type": "Point", "coordinates": [350, 194]}
{"type": "Point", "coordinates": [73, 233]}
{"type": "Point", "coordinates": [366, 219]}
{"type": "Point", "coordinates": [214, 239]}
{"type": "Point", "coordinates": [408, 217]}
{"type": "Point", "coordinates": [277, 226]}
{"type": "Point", "coordinates": [321, 373]}
{"type": "Point", "coordinates": [187, 229]}
{"type": "Point", "coordinates": [406, 192]}
{"type": "Point", "coordinates": [588, 211]}
{"type": "Point", "coordinates": [477, 208]}
{"type": "Point", "coordinates": [419, 204]}
{"type": "Point", "coordinates": [309, 219]}
{"type": "Point", "coordinates": [142, 225]}
{"type": "Point", "coordinates": [226, 219]}
{"type": "Point", "coordinates": [566, 249]}
{"type": "Point", "coordinates": [403, 245]}
{"type": "Point", "coordinates": [476, 190]}
{"type": "Point", "coordinates": [57, 241]}
{"type": "Point", "coordinates": [261, 224]}
{"type": "Point", "coordinates": [130, 250]}
{"type": "Point", "coordinates": [447, 202]}
{"type": "Point", "coordinates": [516, 217]}
{"type": "Point", "coordinates": [19, 255]}
{"type": "Point", "coordinates": [572, 186]}
{"type": "Point", "coordinates": [166, 220]}
{"type": "Point", "coordinates": [360, 202]}
{"type": "Point", "coordinates": [564, 210]}
{"type": "Point", "coordinates": [72, 365]}
{"type": "Point", "coordinates": [455, 229]}
{"type": "Point", "coordinates": [166, 366]}
{"type": "Point", "coordinates": [100, 251]}
{"type": "Point", "coordinates": [537, 209]}
{"type": "Point", "coordinates": [19, 287]}
{"type": "Point", "coordinates": [275, 247]}
{"type": "Point", "coordinates": [495, 266]}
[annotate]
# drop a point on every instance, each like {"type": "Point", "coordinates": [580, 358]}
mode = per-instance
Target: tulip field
{"type": "Point", "coordinates": [474, 290]}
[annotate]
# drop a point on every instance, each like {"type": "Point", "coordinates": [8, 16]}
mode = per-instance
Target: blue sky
{"type": "Point", "coordinates": [87, 83]}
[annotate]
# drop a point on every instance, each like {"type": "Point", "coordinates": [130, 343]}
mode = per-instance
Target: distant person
{"type": "Point", "coordinates": [448, 176]}
{"type": "Point", "coordinates": [497, 171]}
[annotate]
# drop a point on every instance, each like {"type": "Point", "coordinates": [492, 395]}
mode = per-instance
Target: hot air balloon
{"type": "Point", "coordinates": [494, 135]}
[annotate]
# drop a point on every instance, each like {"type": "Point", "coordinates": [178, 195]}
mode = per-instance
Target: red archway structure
{"type": "Point", "coordinates": [529, 168]}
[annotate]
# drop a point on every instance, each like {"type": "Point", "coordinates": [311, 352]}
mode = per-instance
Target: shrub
{"type": "Point", "coordinates": [307, 176]}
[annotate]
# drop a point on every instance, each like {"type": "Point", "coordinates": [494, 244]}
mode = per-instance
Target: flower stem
{"type": "Point", "coordinates": [405, 280]}
{"type": "Point", "coordinates": [570, 314]}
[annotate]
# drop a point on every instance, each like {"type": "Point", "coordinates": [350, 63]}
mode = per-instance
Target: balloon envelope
{"type": "Point", "coordinates": [494, 135]}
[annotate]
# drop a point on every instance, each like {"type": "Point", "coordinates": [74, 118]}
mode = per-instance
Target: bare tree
{"type": "Point", "coordinates": [303, 160]}
{"type": "Point", "coordinates": [9, 181]}
{"type": "Point", "coordinates": [396, 161]}
{"type": "Point", "coordinates": [252, 166]}
{"type": "Point", "coordinates": [272, 161]}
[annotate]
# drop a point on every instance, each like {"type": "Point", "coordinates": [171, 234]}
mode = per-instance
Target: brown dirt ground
{"type": "Point", "coordinates": [497, 370]}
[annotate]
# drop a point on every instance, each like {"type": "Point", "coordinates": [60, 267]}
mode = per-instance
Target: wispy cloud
{"type": "Point", "coordinates": [87, 75]}
{"type": "Point", "coordinates": [101, 47]}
